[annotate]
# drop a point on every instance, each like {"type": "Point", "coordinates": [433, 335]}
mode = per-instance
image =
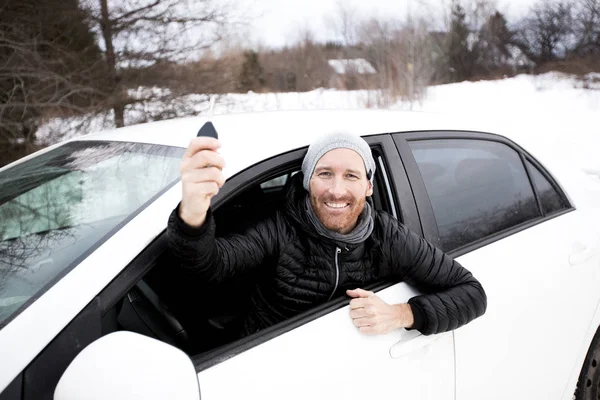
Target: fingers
{"type": "Point", "coordinates": [366, 312]}
{"type": "Point", "coordinates": [358, 303]}
{"type": "Point", "coordinates": [360, 313]}
{"type": "Point", "coordinates": [208, 189]}
{"type": "Point", "coordinates": [201, 143]}
{"type": "Point", "coordinates": [211, 174]}
{"type": "Point", "coordinates": [362, 322]}
{"type": "Point", "coordinates": [203, 159]}
{"type": "Point", "coordinates": [359, 293]}
{"type": "Point", "coordinates": [202, 177]}
{"type": "Point", "coordinates": [367, 326]}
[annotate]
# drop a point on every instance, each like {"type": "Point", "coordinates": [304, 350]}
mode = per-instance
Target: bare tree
{"type": "Point", "coordinates": [402, 56]}
{"type": "Point", "coordinates": [546, 33]}
{"type": "Point", "coordinates": [49, 63]}
{"type": "Point", "coordinates": [30, 85]}
{"type": "Point", "coordinates": [479, 12]}
{"type": "Point", "coordinates": [344, 23]}
{"type": "Point", "coordinates": [417, 40]}
{"type": "Point", "coordinates": [310, 64]}
{"type": "Point", "coordinates": [140, 34]}
{"type": "Point", "coordinates": [212, 73]}
{"type": "Point", "coordinates": [587, 27]}
{"type": "Point", "coordinates": [299, 67]}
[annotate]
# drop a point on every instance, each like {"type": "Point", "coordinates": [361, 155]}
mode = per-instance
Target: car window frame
{"type": "Point", "coordinates": [423, 202]}
{"type": "Point", "coordinates": [397, 187]}
{"type": "Point", "coordinates": [287, 162]}
{"type": "Point", "coordinates": [553, 183]}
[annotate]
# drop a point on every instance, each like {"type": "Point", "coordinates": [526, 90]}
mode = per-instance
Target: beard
{"type": "Point", "coordinates": [341, 221]}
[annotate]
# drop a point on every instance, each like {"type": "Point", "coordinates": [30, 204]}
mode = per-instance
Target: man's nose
{"type": "Point", "coordinates": [338, 187]}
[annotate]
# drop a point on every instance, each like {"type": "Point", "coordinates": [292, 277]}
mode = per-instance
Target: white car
{"type": "Point", "coordinates": [83, 261]}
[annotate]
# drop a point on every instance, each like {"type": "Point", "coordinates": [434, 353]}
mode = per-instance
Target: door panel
{"type": "Point", "coordinates": [539, 311]}
{"type": "Point", "coordinates": [329, 358]}
{"type": "Point", "coordinates": [541, 280]}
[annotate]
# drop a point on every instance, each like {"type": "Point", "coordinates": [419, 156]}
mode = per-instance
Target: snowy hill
{"type": "Point", "coordinates": [553, 108]}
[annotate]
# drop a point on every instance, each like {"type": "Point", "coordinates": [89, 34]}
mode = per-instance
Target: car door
{"type": "Point", "coordinates": [494, 206]}
{"type": "Point", "coordinates": [320, 354]}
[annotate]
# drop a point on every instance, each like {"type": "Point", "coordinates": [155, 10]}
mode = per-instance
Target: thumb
{"type": "Point", "coordinates": [359, 293]}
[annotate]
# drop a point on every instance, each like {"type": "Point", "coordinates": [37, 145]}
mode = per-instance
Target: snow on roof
{"type": "Point", "coordinates": [357, 65]}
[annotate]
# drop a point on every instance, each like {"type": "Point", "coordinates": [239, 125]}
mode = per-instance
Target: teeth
{"type": "Point", "coordinates": [336, 205]}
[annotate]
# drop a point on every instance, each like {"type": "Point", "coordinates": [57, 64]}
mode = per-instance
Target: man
{"type": "Point", "coordinates": [328, 240]}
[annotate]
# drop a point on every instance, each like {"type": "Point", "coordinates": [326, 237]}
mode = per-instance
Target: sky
{"type": "Point", "coordinates": [278, 22]}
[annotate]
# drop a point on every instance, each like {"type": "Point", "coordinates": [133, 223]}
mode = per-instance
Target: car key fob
{"type": "Point", "coordinates": [208, 129]}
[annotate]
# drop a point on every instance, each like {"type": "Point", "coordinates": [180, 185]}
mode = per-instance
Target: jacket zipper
{"type": "Point", "coordinates": [337, 272]}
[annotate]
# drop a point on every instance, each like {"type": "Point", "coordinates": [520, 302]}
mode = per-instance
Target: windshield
{"type": "Point", "coordinates": [55, 209]}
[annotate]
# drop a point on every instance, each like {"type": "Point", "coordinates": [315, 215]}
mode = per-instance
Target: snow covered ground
{"type": "Point", "coordinates": [552, 108]}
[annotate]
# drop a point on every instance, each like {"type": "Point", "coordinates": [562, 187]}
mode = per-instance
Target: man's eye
{"type": "Point", "coordinates": [352, 176]}
{"type": "Point", "coordinates": [324, 174]}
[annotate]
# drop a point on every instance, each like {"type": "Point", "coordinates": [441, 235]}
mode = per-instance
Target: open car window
{"type": "Point", "coordinates": [210, 311]}
{"type": "Point", "coordinates": [268, 194]}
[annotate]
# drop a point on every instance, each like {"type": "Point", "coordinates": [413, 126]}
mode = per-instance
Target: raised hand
{"type": "Point", "coordinates": [201, 177]}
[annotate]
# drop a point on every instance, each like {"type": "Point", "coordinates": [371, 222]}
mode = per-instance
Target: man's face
{"type": "Point", "coordinates": [338, 189]}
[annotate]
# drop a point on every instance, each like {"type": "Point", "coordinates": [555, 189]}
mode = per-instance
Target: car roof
{"type": "Point", "coordinates": [298, 128]}
{"type": "Point", "coordinates": [248, 138]}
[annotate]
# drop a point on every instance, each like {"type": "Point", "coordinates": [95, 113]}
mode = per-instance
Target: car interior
{"type": "Point", "coordinates": [178, 307]}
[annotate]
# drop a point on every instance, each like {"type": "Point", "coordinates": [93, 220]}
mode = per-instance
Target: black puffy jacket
{"type": "Point", "coordinates": [305, 269]}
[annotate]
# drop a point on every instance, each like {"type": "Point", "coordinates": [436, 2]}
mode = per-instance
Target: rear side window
{"type": "Point", "coordinates": [550, 199]}
{"type": "Point", "coordinates": [477, 188]}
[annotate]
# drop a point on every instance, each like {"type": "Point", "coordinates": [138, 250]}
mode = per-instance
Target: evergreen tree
{"type": "Point", "coordinates": [459, 51]}
{"type": "Point", "coordinates": [492, 46]}
{"type": "Point", "coordinates": [251, 76]}
{"type": "Point", "coordinates": [48, 63]}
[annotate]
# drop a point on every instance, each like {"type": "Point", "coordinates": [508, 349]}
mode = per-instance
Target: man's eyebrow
{"type": "Point", "coordinates": [327, 167]}
{"type": "Point", "coordinates": [353, 171]}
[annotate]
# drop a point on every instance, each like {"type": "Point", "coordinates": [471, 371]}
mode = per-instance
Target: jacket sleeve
{"type": "Point", "coordinates": [216, 259]}
{"type": "Point", "coordinates": [451, 295]}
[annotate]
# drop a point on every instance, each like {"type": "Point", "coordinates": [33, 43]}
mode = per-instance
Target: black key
{"type": "Point", "coordinates": [208, 129]}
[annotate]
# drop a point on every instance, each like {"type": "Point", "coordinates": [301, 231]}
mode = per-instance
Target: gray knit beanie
{"type": "Point", "coordinates": [335, 141]}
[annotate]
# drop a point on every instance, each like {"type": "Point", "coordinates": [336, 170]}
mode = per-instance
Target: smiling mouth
{"type": "Point", "coordinates": [337, 206]}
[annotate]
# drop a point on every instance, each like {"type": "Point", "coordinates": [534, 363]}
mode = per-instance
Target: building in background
{"type": "Point", "coordinates": [349, 74]}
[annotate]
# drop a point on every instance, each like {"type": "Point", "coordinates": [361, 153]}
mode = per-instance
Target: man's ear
{"type": "Point", "coordinates": [370, 189]}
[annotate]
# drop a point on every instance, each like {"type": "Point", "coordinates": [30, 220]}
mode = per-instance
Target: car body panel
{"type": "Point", "coordinates": [482, 346]}
{"type": "Point", "coordinates": [65, 299]}
{"type": "Point", "coordinates": [559, 290]}
{"type": "Point", "coordinates": [328, 358]}
{"type": "Point", "coordinates": [540, 285]}
{"type": "Point", "coordinates": [539, 309]}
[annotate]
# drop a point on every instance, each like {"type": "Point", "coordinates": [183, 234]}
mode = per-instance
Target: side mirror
{"type": "Point", "coordinates": [126, 365]}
